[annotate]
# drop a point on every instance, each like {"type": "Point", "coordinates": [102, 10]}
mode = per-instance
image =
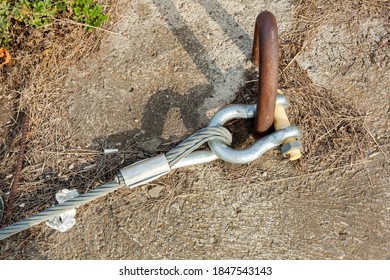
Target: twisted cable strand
{"type": "Point", "coordinates": [58, 209]}
{"type": "Point", "coordinates": [173, 156]}
{"type": "Point", "coordinates": [196, 140]}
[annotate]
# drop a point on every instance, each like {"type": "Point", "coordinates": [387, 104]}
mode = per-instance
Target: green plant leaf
{"type": "Point", "coordinates": [38, 13]}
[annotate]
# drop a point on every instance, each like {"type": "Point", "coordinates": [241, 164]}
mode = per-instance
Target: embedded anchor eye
{"type": "Point", "coordinates": [265, 55]}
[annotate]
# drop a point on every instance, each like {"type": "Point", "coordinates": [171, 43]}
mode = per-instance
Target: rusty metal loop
{"type": "Point", "coordinates": [265, 55]}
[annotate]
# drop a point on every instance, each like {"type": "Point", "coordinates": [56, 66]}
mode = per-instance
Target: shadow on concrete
{"type": "Point", "coordinates": [227, 23]}
{"type": "Point", "coordinates": [162, 101]}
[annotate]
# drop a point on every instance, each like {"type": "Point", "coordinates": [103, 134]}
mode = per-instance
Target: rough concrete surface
{"type": "Point", "coordinates": [349, 58]}
{"type": "Point", "coordinates": [173, 64]}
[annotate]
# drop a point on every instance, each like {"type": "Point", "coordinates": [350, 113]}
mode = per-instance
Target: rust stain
{"type": "Point", "coordinates": [19, 165]}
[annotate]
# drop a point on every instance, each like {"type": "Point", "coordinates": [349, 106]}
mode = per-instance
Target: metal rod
{"type": "Point", "coordinates": [265, 54]}
{"type": "Point", "coordinates": [19, 165]}
{"type": "Point", "coordinates": [197, 157]}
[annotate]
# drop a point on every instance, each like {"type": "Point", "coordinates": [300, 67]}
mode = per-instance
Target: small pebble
{"type": "Point", "coordinates": [176, 206]}
{"type": "Point", "coordinates": [155, 192]}
{"type": "Point", "coordinates": [213, 240]}
{"type": "Point", "coordinates": [150, 146]}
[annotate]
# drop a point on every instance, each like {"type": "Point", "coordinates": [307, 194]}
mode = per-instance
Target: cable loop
{"type": "Point", "coordinates": [217, 133]}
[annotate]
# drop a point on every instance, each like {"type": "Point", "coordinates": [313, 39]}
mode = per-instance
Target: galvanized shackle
{"type": "Point", "coordinates": [266, 143]}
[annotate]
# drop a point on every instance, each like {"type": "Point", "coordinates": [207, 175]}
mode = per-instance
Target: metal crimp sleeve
{"type": "Point", "coordinates": [144, 171]}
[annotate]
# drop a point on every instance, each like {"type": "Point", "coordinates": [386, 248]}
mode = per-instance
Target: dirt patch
{"type": "Point", "coordinates": [172, 56]}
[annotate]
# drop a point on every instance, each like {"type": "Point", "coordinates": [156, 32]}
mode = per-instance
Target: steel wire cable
{"type": "Point", "coordinates": [58, 209]}
{"type": "Point", "coordinates": [174, 156]}
{"type": "Point", "coordinates": [217, 133]}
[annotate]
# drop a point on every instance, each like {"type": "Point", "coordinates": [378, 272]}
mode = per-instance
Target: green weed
{"type": "Point", "coordinates": [41, 13]}
{"type": "Point", "coordinates": [88, 12]}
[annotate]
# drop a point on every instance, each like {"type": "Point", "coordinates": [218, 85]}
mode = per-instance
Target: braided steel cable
{"type": "Point", "coordinates": [217, 133]}
{"type": "Point", "coordinates": [174, 156]}
{"type": "Point", "coordinates": [58, 209]}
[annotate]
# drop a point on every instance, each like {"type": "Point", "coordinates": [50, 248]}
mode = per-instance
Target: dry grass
{"type": "Point", "coordinates": [335, 134]}
{"type": "Point", "coordinates": [53, 160]}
